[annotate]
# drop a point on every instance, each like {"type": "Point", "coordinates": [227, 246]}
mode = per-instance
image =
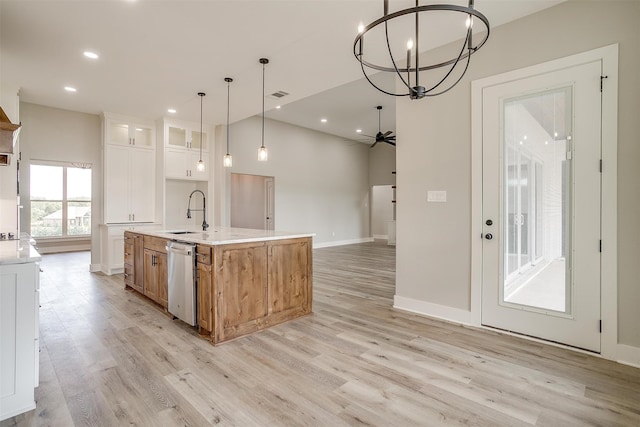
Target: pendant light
{"type": "Point", "coordinates": [200, 165]}
{"type": "Point", "coordinates": [262, 151]}
{"type": "Point", "coordinates": [227, 161]}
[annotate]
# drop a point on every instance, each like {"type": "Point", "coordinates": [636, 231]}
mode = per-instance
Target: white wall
{"type": "Point", "coordinates": [66, 136]}
{"type": "Point", "coordinates": [433, 253]}
{"type": "Point", "coordinates": [321, 181]}
{"type": "Point", "coordinates": [382, 162]}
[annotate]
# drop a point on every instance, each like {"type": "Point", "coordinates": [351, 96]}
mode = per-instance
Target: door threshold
{"type": "Point", "coordinates": [540, 340]}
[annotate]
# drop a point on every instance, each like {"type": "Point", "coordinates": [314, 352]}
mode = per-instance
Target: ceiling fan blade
{"type": "Point", "coordinates": [368, 136]}
{"type": "Point", "coordinates": [387, 133]}
{"type": "Point", "coordinates": [374, 144]}
{"type": "Point", "coordinates": [391, 137]}
{"type": "Point", "coordinates": [390, 142]}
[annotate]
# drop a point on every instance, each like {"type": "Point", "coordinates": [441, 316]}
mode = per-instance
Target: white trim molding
{"type": "Point", "coordinates": [342, 242]}
{"type": "Point", "coordinates": [608, 55]}
{"type": "Point", "coordinates": [443, 312]}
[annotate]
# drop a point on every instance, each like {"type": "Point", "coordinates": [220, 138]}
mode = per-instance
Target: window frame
{"type": "Point", "coordinates": [64, 202]}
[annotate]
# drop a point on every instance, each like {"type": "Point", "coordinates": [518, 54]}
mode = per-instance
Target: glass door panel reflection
{"type": "Point", "coordinates": [537, 201]}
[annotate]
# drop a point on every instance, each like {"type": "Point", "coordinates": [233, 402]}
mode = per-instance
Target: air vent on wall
{"type": "Point", "coordinates": [279, 94]}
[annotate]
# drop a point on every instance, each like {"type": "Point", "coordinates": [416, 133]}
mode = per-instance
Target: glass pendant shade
{"type": "Point", "coordinates": [200, 165]}
{"type": "Point", "coordinates": [262, 154]}
{"type": "Point", "coordinates": [227, 160]}
{"type": "Point", "coordinates": [262, 151]}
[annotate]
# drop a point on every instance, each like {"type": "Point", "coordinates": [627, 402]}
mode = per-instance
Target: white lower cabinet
{"type": "Point", "coordinates": [19, 337]}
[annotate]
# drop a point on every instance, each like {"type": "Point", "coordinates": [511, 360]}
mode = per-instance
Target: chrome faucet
{"type": "Point", "coordinates": [204, 209]}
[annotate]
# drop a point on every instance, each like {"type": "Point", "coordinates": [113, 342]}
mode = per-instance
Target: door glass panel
{"type": "Point", "coordinates": [119, 133]}
{"type": "Point", "coordinates": [537, 201]}
{"type": "Point", "coordinates": [177, 137]}
{"type": "Point", "coordinates": [196, 137]}
{"type": "Point", "coordinates": [143, 136]}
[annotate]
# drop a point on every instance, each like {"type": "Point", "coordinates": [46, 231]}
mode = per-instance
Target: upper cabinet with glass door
{"type": "Point", "coordinates": [186, 136]}
{"type": "Point", "coordinates": [122, 130]}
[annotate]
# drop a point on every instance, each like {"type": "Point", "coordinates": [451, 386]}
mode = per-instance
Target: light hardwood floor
{"type": "Point", "coordinates": [110, 358]}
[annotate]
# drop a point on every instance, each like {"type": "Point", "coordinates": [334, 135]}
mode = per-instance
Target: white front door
{"type": "Point", "coordinates": [541, 206]}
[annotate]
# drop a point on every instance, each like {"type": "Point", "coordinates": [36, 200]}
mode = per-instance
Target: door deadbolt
{"type": "Point", "coordinates": [488, 236]}
{"type": "Point", "coordinates": [489, 222]}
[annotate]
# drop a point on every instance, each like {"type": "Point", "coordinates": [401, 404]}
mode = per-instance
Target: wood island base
{"type": "Point", "coordinates": [241, 287]}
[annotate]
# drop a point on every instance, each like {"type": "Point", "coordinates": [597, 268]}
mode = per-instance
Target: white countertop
{"type": "Point", "coordinates": [224, 235]}
{"type": "Point", "coordinates": [18, 251]}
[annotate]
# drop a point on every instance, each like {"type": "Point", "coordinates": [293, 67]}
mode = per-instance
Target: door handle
{"type": "Point", "coordinates": [488, 236]}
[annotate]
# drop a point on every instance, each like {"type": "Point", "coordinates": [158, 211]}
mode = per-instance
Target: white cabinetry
{"type": "Point", "coordinates": [181, 164]}
{"type": "Point", "coordinates": [182, 142]}
{"type": "Point", "coordinates": [129, 171]}
{"type": "Point", "coordinates": [19, 337]}
{"type": "Point", "coordinates": [127, 131]}
{"type": "Point", "coordinates": [112, 251]}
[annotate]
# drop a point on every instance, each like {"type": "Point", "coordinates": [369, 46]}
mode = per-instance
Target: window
{"type": "Point", "coordinates": [60, 200]}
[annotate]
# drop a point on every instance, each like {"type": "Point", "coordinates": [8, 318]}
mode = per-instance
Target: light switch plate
{"type": "Point", "coordinates": [436, 196]}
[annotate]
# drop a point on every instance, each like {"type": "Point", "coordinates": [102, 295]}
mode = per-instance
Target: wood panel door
{"type": "Point", "coordinates": [241, 283]}
{"type": "Point", "coordinates": [162, 271]}
{"type": "Point", "coordinates": [138, 263]}
{"type": "Point", "coordinates": [150, 275]}
{"type": "Point", "coordinates": [205, 309]}
{"type": "Point", "coordinates": [289, 276]}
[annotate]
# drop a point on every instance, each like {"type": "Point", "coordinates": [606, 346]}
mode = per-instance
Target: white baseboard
{"type": "Point", "coordinates": [342, 242]}
{"type": "Point", "coordinates": [438, 311]}
{"type": "Point", "coordinates": [42, 249]}
{"type": "Point", "coordinates": [381, 237]}
{"type": "Point", "coordinates": [628, 355]}
{"type": "Point", "coordinates": [93, 268]}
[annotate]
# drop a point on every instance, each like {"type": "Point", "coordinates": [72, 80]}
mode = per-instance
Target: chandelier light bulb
{"type": "Point", "coordinates": [227, 161]}
{"type": "Point", "coordinates": [469, 22]}
{"type": "Point", "coordinates": [360, 28]}
{"type": "Point", "coordinates": [200, 166]}
{"type": "Point", "coordinates": [410, 44]}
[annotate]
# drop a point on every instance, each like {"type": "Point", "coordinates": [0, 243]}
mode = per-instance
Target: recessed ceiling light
{"type": "Point", "coordinates": [359, 130]}
{"type": "Point", "coordinates": [278, 107]}
{"type": "Point", "coordinates": [171, 110]}
{"type": "Point", "coordinates": [70, 89]}
{"type": "Point", "coordinates": [90, 55]}
{"type": "Point", "coordinates": [323, 120]}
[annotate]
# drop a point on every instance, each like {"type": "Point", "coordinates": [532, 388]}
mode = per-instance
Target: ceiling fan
{"type": "Point", "coordinates": [382, 137]}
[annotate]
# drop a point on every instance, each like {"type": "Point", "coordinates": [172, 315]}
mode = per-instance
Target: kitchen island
{"type": "Point", "coordinates": [246, 280]}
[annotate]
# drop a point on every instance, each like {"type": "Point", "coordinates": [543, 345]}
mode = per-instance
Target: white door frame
{"type": "Point", "coordinates": [609, 289]}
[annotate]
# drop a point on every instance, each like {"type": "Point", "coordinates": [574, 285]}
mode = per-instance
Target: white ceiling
{"type": "Point", "coordinates": [158, 54]}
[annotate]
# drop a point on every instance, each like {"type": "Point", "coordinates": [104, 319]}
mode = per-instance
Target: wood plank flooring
{"type": "Point", "coordinates": [110, 358]}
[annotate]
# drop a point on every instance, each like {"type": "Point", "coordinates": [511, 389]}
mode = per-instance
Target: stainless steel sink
{"type": "Point", "coordinates": [181, 232]}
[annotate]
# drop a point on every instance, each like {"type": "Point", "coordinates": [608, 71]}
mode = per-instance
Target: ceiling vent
{"type": "Point", "coordinates": [278, 95]}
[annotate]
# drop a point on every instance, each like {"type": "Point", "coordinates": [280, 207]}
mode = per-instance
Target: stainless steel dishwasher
{"type": "Point", "coordinates": [181, 257]}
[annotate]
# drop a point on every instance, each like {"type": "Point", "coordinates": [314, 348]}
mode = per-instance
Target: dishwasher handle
{"type": "Point", "coordinates": [178, 250]}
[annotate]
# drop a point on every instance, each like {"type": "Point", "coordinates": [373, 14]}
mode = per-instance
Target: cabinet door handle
{"type": "Point", "coordinates": [134, 141]}
{"type": "Point", "coordinates": [133, 216]}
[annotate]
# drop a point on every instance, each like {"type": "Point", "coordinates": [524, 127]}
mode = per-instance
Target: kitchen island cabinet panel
{"type": "Point", "coordinates": [156, 277]}
{"type": "Point", "coordinates": [240, 279]}
{"type": "Point", "coordinates": [205, 304]}
{"type": "Point", "coordinates": [289, 275]}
